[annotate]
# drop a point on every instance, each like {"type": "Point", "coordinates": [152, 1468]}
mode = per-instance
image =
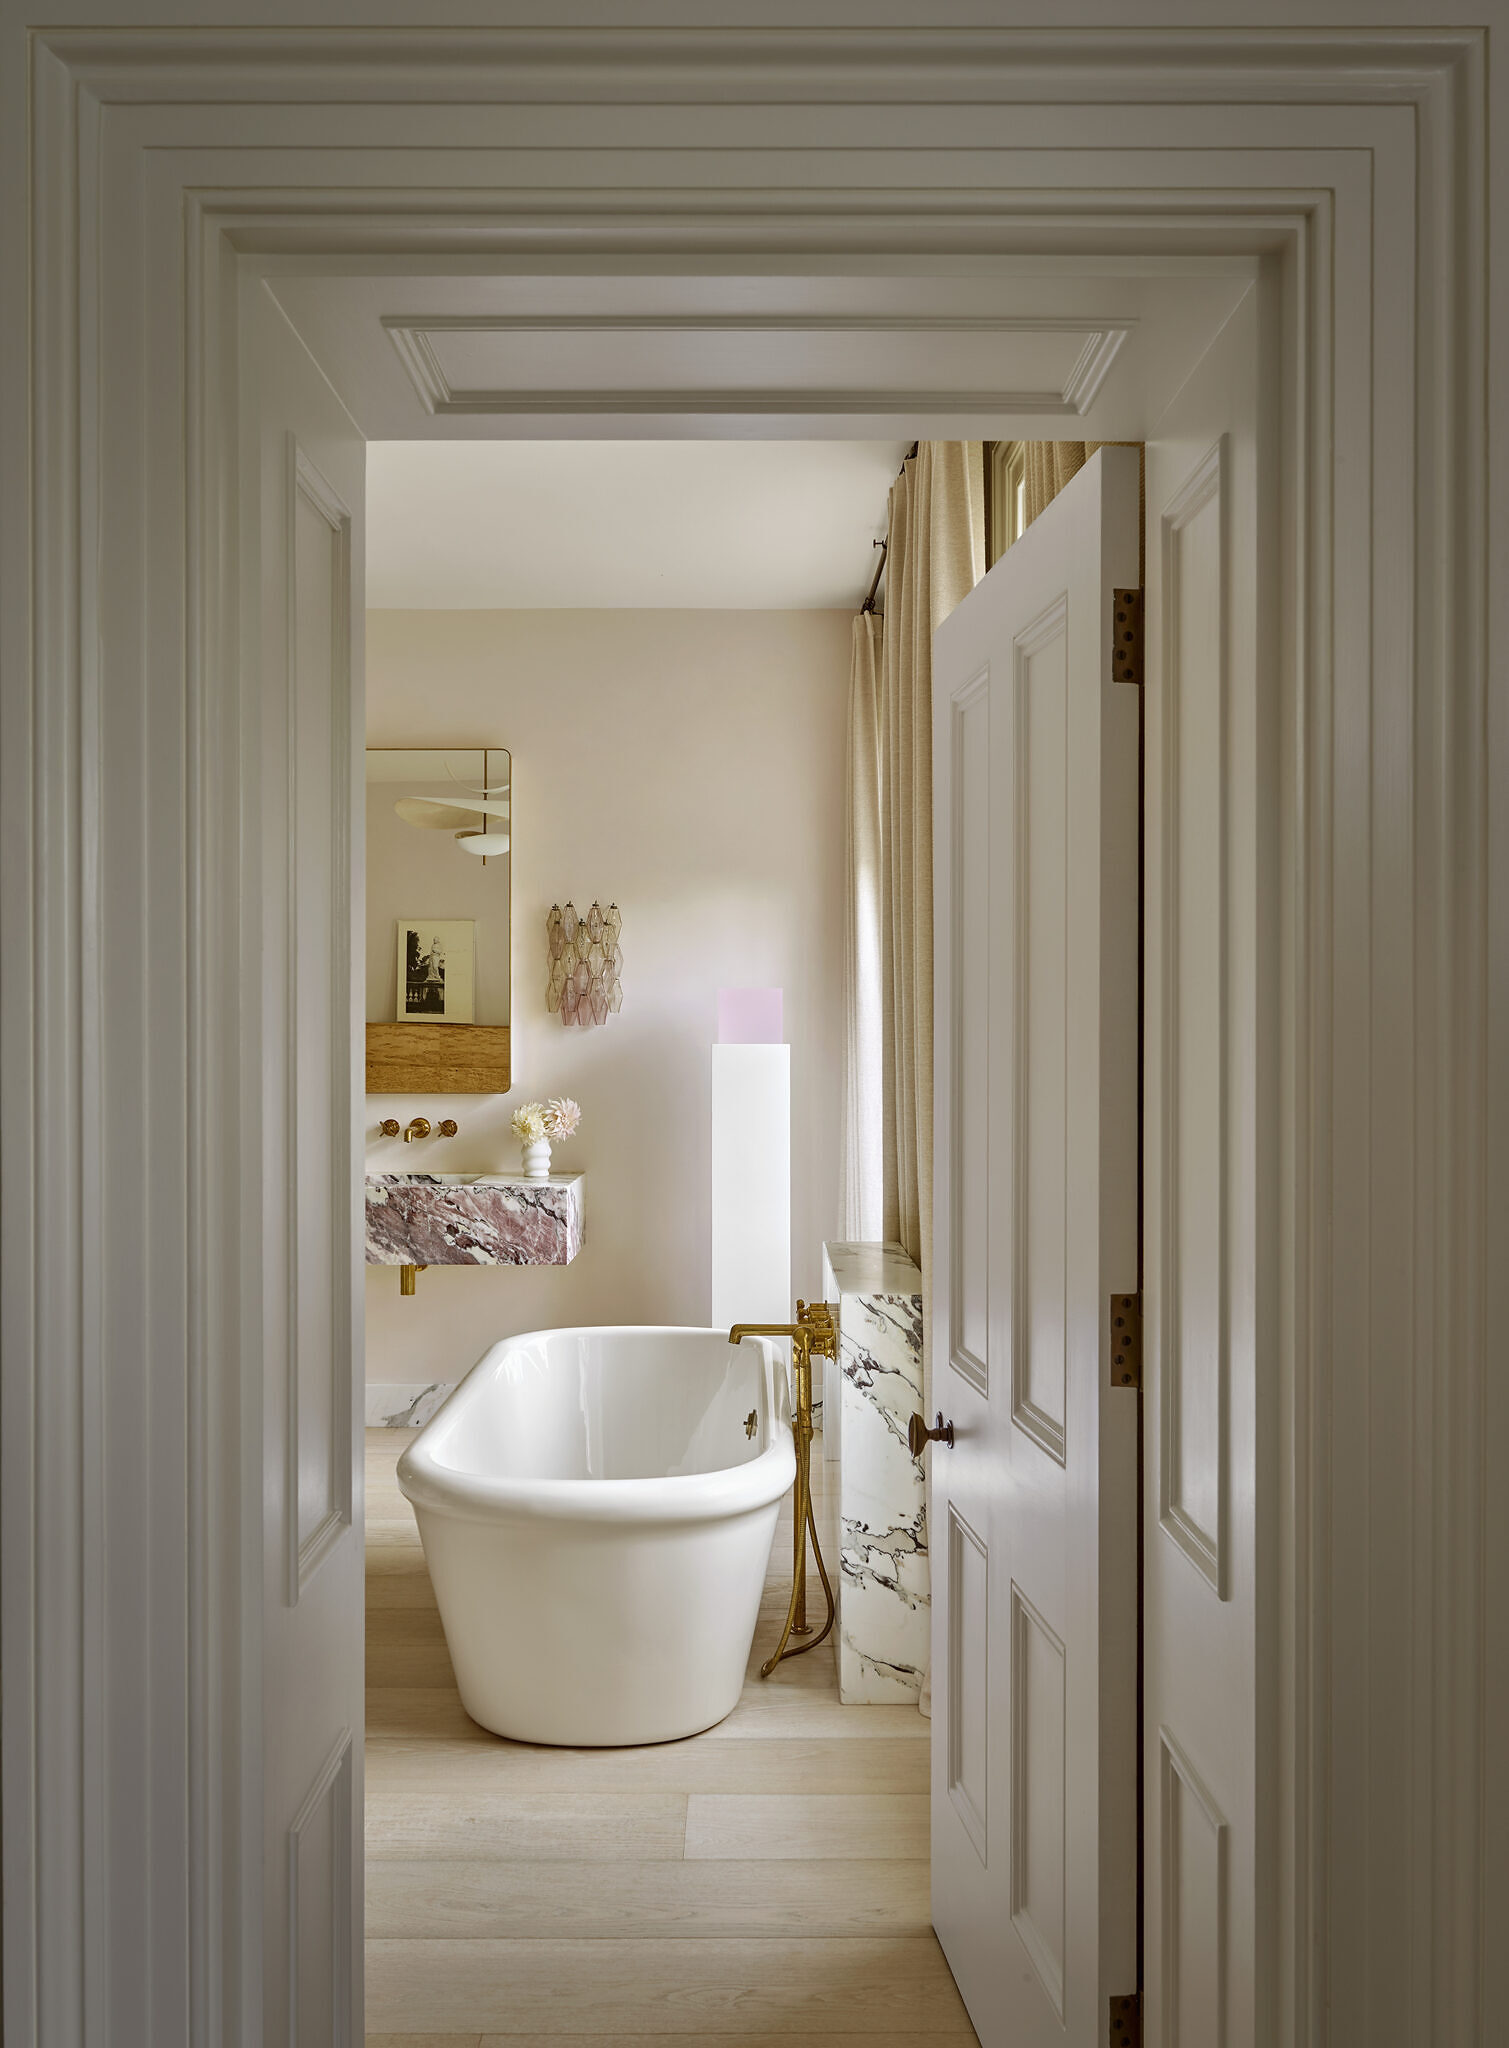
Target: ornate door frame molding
{"type": "Point", "coordinates": [145, 164]}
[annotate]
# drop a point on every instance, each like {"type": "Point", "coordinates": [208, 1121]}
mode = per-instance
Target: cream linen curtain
{"type": "Point", "coordinates": [936, 555]}
{"type": "Point", "coordinates": [863, 1118]}
{"type": "Point", "coordinates": [1048, 465]}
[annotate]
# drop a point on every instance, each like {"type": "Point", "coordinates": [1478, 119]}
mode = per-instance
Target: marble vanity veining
{"type": "Point", "coordinates": [883, 1596]}
{"type": "Point", "coordinates": [423, 1219]}
{"type": "Point", "coordinates": [405, 1405]}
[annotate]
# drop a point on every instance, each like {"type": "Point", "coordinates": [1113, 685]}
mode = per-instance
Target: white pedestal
{"type": "Point", "coordinates": [751, 1184]}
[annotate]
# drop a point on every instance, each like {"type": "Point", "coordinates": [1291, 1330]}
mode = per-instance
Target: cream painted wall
{"type": "Point", "coordinates": [689, 765]}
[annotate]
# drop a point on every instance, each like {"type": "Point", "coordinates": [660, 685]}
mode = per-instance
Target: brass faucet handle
{"type": "Point", "coordinates": [389, 1127]}
{"type": "Point", "coordinates": [449, 1128]}
{"type": "Point", "coordinates": [821, 1323]}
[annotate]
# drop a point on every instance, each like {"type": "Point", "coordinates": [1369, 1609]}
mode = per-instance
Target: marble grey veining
{"type": "Point", "coordinates": [418, 1219]}
{"type": "Point", "coordinates": [406, 1407]}
{"type": "Point", "coordinates": [883, 1589]}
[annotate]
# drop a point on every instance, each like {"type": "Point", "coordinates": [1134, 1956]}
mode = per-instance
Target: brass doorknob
{"type": "Point", "coordinates": [918, 1435]}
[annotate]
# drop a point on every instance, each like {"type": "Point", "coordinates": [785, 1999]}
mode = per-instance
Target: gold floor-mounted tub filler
{"type": "Point", "coordinates": [815, 1332]}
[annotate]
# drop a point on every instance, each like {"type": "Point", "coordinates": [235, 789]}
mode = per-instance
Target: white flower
{"type": "Point", "coordinates": [562, 1116]}
{"type": "Point", "coordinates": [529, 1122]}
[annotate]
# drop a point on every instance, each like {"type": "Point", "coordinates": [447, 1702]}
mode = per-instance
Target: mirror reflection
{"type": "Point", "coordinates": [439, 825]}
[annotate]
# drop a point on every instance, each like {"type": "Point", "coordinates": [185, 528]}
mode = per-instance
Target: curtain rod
{"type": "Point", "coordinates": [885, 545]}
{"type": "Point", "coordinates": [869, 603]}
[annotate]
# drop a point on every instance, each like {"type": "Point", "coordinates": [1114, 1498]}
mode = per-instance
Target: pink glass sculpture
{"type": "Point", "coordinates": [749, 1016]}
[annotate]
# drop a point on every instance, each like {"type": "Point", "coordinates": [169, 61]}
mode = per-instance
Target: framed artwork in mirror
{"type": "Point", "coordinates": [436, 970]}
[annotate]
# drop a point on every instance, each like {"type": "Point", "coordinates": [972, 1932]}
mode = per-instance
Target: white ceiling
{"type": "Point", "coordinates": [727, 525]}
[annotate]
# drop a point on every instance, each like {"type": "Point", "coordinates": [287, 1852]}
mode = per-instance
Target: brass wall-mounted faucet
{"type": "Point", "coordinates": [416, 1127]}
{"type": "Point", "coordinates": [815, 1332]}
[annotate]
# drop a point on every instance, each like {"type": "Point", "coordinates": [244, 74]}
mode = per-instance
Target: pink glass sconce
{"type": "Point", "coordinates": [586, 964]}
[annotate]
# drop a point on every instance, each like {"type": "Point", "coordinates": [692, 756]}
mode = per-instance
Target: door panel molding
{"type": "Point", "coordinates": [968, 1103]}
{"type": "Point", "coordinates": [1034, 1408]}
{"type": "Point", "coordinates": [138, 166]}
{"type": "Point", "coordinates": [968, 1666]}
{"type": "Point", "coordinates": [320, 1358]}
{"type": "Point", "coordinates": [1039, 1795]}
{"type": "Point", "coordinates": [1194, 1378]}
{"type": "Point", "coordinates": [1194, 1900]}
{"type": "Point", "coordinates": [319, 1879]}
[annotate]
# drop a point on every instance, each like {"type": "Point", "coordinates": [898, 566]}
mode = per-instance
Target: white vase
{"type": "Point", "coordinates": [537, 1160]}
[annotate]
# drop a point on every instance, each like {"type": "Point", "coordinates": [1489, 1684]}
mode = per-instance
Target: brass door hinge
{"type": "Point", "coordinates": [1126, 1340]}
{"type": "Point", "coordinates": [1126, 637]}
{"type": "Point", "coordinates": [1126, 2021]}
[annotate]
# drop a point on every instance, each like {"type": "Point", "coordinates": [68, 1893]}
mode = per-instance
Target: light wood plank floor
{"type": "Point", "coordinates": [765, 1882]}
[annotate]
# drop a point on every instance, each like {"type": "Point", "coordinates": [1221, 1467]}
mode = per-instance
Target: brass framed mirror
{"type": "Point", "coordinates": [439, 919]}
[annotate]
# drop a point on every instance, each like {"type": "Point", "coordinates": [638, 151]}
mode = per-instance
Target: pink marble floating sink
{"type": "Point", "coordinates": [473, 1219]}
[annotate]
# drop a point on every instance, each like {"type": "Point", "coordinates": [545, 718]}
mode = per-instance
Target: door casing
{"type": "Point", "coordinates": [139, 166]}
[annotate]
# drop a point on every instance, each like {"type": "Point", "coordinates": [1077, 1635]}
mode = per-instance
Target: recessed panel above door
{"type": "Point", "coordinates": [1017, 350]}
{"type": "Point", "coordinates": [728, 362]}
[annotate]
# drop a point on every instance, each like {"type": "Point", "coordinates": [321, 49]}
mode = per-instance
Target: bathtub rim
{"type": "Point", "coordinates": [655, 1501]}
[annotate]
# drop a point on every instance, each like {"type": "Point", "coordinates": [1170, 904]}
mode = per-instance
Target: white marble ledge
{"type": "Point", "coordinates": [873, 1269]}
{"type": "Point", "coordinates": [482, 1219]}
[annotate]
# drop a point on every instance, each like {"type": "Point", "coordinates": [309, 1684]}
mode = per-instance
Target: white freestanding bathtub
{"type": "Point", "coordinates": [597, 1508]}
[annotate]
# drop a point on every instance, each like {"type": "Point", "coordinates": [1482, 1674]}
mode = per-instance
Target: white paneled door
{"type": "Point", "coordinates": [1034, 1516]}
{"type": "Point", "coordinates": [303, 466]}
